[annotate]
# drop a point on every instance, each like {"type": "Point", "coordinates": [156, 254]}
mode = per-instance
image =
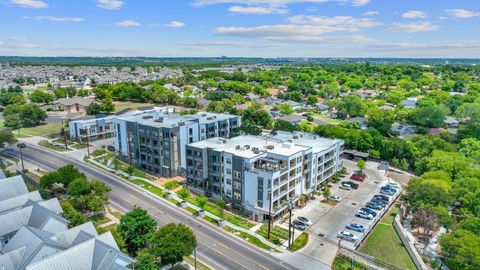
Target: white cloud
{"type": "Point", "coordinates": [360, 2]}
{"type": "Point", "coordinates": [18, 38]}
{"type": "Point", "coordinates": [175, 24]}
{"type": "Point", "coordinates": [414, 14]}
{"type": "Point", "coordinates": [127, 23]}
{"type": "Point", "coordinates": [462, 13]}
{"type": "Point", "coordinates": [54, 18]}
{"type": "Point", "coordinates": [309, 29]}
{"type": "Point", "coordinates": [30, 3]}
{"type": "Point", "coordinates": [258, 10]}
{"type": "Point", "coordinates": [275, 3]}
{"type": "Point", "coordinates": [413, 27]}
{"type": "Point", "coordinates": [371, 13]}
{"type": "Point", "coordinates": [341, 23]}
{"type": "Point", "coordinates": [110, 4]}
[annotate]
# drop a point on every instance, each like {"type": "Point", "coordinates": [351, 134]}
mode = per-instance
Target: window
{"type": "Point", "coordinates": [229, 161]}
{"type": "Point", "coordinates": [229, 171]}
{"type": "Point", "coordinates": [237, 185]}
{"type": "Point", "coordinates": [229, 181]}
{"type": "Point", "coordinates": [236, 174]}
{"type": "Point", "coordinates": [237, 196]}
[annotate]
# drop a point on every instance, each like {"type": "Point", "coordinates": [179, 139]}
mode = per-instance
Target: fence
{"type": "Point", "coordinates": [409, 244]}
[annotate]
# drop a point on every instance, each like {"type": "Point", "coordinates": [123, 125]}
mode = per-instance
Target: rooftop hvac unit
{"type": "Point", "coordinates": [159, 120]}
{"type": "Point", "coordinates": [237, 147]}
{"type": "Point", "coordinates": [295, 136]}
{"type": "Point", "coordinates": [147, 117]}
{"type": "Point", "coordinates": [181, 123]}
{"type": "Point", "coordinates": [247, 146]}
{"type": "Point", "coordinates": [270, 147]}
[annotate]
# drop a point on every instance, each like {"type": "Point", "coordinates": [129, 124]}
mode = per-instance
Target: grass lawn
{"type": "Point", "coordinates": [250, 238]}
{"type": "Point", "coordinates": [200, 265]}
{"type": "Point", "coordinates": [277, 233]}
{"type": "Point", "coordinates": [385, 245]}
{"type": "Point", "coordinates": [227, 216]}
{"type": "Point", "coordinates": [152, 188]}
{"type": "Point", "coordinates": [41, 130]}
{"type": "Point", "coordinates": [46, 144]}
{"type": "Point", "coordinates": [300, 242]}
{"type": "Point", "coordinates": [133, 105]}
{"type": "Point", "coordinates": [342, 262]}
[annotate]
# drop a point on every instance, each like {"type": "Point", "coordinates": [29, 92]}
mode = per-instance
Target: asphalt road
{"type": "Point", "coordinates": [218, 250]}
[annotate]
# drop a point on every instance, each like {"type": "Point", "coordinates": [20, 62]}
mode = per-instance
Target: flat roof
{"type": "Point", "coordinates": [315, 142]}
{"type": "Point", "coordinates": [238, 146]}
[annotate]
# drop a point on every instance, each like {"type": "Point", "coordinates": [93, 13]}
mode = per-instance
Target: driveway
{"type": "Point", "coordinates": [329, 220]}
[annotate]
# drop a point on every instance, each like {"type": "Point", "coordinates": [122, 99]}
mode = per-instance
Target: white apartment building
{"type": "Point", "coordinates": [260, 175]}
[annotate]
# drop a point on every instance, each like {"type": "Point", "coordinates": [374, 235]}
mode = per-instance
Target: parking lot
{"type": "Point", "coordinates": [328, 220]}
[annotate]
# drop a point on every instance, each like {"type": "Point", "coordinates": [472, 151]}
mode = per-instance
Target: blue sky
{"type": "Point", "coordinates": [248, 28]}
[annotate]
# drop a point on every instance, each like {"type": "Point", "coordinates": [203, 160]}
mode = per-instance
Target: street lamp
{"type": "Point", "coordinates": [290, 208]}
{"type": "Point", "coordinates": [88, 141]}
{"type": "Point", "coordinates": [20, 147]}
{"type": "Point", "coordinates": [269, 212]}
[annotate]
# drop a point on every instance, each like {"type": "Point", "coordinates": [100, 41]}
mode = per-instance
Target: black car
{"type": "Point", "coordinates": [351, 183]}
{"type": "Point", "coordinates": [111, 148]}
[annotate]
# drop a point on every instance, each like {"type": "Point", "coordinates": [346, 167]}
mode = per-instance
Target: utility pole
{"type": "Point", "coordinates": [64, 135]}
{"type": "Point", "coordinates": [290, 208]}
{"type": "Point", "coordinates": [269, 212]}
{"type": "Point", "coordinates": [88, 142]}
{"type": "Point", "coordinates": [195, 254]}
{"type": "Point", "coordinates": [20, 147]}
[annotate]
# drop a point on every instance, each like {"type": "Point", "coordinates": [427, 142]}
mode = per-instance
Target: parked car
{"type": "Point", "coordinates": [111, 148]}
{"type": "Point", "coordinates": [363, 214]}
{"type": "Point", "coordinates": [335, 198]}
{"type": "Point", "coordinates": [358, 177]}
{"type": "Point", "coordinates": [370, 211]}
{"type": "Point", "coordinates": [345, 187]}
{"type": "Point", "coordinates": [355, 227]}
{"type": "Point", "coordinates": [374, 205]}
{"type": "Point", "coordinates": [381, 197]}
{"type": "Point", "coordinates": [347, 236]}
{"type": "Point", "coordinates": [299, 225]}
{"type": "Point", "coordinates": [304, 220]}
{"type": "Point", "coordinates": [390, 187]}
{"type": "Point", "coordinates": [387, 191]}
{"type": "Point", "coordinates": [394, 185]}
{"type": "Point", "coordinates": [351, 183]}
{"type": "Point", "coordinates": [379, 202]}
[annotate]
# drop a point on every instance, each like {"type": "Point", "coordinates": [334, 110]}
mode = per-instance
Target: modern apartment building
{"type": "Point", "coordinates": [102, 128]}
{"type": "Point", "coordinates": [260, 175]}
{"type": "Point", "coordinates": [156, 143]}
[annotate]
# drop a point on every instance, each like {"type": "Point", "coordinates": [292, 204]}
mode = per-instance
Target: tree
{"type": "Point", "coordinates": [285, 109]}
{"type": "Point", "coordinates": [75, 217]}
{"type": "Point", "coordinates": [39, 96]}
{"type": "Point", "coordinates": [130, 170]}
{"type": "Point", "coordinates": [172, 242]}
{"type": "Point", "coordinates": [6, 137]}
{"type": "Point", "coordinates": [327, 192]}
{"type": "Point", "coordinates": [430, 117]}
{"type": "Point", "coordinates": [361, 164]}
{"type": "Point", "coordinates": [221, 204]}
{"type": "Point", "coordinates": [470, 148]}
{"type": "Point", "coordinates": [381, 120]}
{"type": "Point", "coordinates": [79, 187]}
{"type": "Point", "coordinates": [427, 219]}
{"type": "Point", "coordinates": [285, 126]}
{"type": "Point", "coordinates": [461, 250]}
{"type": "Point", "coordinates": [28, 115]}
{"type": "Point", "coordinates": [64, 175]}
{"type": "Point", "coordinates": [352, 106]}
{"type": "Point", "coordinates": [183, 193]}
{"type": "Point", "coordinates": [107, 105]}
{"type": "Point", "coordinates": [311, 99]}
{"type": "Point", "coordinates": [136, 228]}
{"type": "Point", "coordinates": [146, 261]}
{"type": "Point", "coordinates": [202, 201]}
{"type": "Point", "coordinates": [94, 108]}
